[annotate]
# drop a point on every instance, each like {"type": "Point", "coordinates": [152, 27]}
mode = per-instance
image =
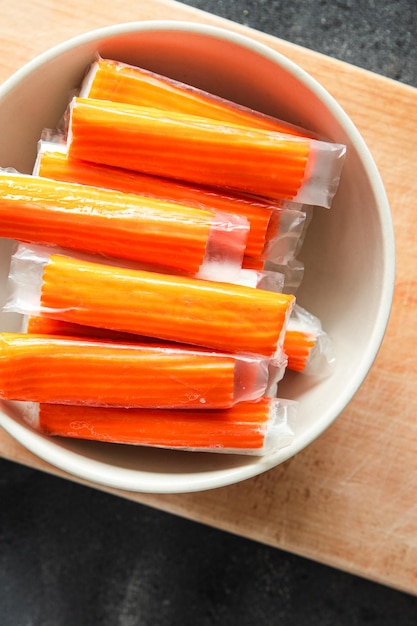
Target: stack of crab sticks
{"type": "Point", "coordinates": [275, 227]}
{"type": "Point", "coordinates": [156, 267]}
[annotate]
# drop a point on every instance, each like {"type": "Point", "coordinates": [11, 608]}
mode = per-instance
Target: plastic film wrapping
{"type": "Point", "coordinates": [93, 372]}
{"type": "Point", "coordinates": [122, 226]}
{"type": "Point", "coordinates": [253, 428]}
{"type": "Point", "coordinates": [112, 80]}
{"type": "Point", "coordinates": [222, 316]}
{"type": "Point", "coordinates": [259, 162]}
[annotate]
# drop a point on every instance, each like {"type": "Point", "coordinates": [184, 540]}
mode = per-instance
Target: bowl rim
{"type": "Point", "coordinates": [141, 481]}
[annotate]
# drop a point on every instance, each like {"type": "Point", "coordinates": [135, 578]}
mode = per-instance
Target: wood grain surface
{"type": "Point", "coordinates": [348, 500]}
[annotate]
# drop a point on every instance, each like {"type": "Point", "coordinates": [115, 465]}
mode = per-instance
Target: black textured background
{"type": "Point", "coordinates": [377, 35]}
{"type": "Point", "coordinates": [73, 556]}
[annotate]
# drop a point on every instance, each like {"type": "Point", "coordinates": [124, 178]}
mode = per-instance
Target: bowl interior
{"type": "Point", "coordinates": [348, 252]}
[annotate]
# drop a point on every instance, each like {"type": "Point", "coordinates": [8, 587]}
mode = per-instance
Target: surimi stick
{"type": "Point", "coordinates": [219, 315]}
{"type": "Point", "coordinates": [47, 368]}
{"type": "Point", "coordinates": [275, 227]}
{"type": "Point", "coordinates": [124, 226]}
{"type": "Point", "coordinates": [256, 428]}
{"type": "Point", "coordinates": [199, 150]}
{"type": "Point", "coordinates": [308, 347]}
{"type": "Point", "coordinates": [298, 346]}
{"type": "Point", "coordinates": [119, 82]}
{"type": "Point", "coordinates": [42, 325]}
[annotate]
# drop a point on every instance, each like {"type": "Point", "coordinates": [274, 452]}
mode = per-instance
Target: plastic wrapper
{"type": "Point", "coordinates": [290, 275]}
{"type": "Point", "coordinates": [276, 228]}
{"type": "Point", "coordinates": [309, 348]}
{"type": "Point", "coordinates": [260, 162]}
{"type": "Point", "coordinates": [255, 428]}
{"type": "Point", "coordinates": [265, 279]}
{"type": "Point", "coordinates": [288, 237]}
{"type": "Point", "coordinates": [124, 226]}
{"type": "Point", "coordinates": [68, 370]}
{"type": "Point", "coordinates": [231, 318]}
{"type": "Point", "coordinates": [112, 80]}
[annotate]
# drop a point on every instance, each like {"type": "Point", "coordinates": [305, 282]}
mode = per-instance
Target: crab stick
{"type": "Point", "coordinates": [47, 368]}
{"type": "Point", "coordinates": [203, 151]}
{"type": "Point", "coordinates": [42, 325]}
{"type": "Point", "coordinates": [272, 224]}
{"type": "Point", "coordinates": [222, 316]}
{"type": "Point", "coordinates": [124, 226]}
{"type": "Point", "coordinates": [298, 346]}
{"type": "Point", "coordinates": [109, 79]}
{"type": "Point", "coordinates": [256, 428]}
{"type": "Point", "coordinates": [308, 347]}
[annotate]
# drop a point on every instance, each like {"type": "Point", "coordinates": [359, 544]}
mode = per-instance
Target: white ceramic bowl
{"type": "Point", "coordinates": [348, 253]}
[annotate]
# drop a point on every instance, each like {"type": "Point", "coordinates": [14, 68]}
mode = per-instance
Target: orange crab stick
{"type": "Point", "coordinates": [55, 369]}
{"type": "Point", "coordinates": [222, 316]}
{"type": "Point", "coordinates": [42, 325]}
{"type": "Point", "coordinates": [203, 151]}
{"type": "Point", "coordinates": [257, 428]}
{"type": "Point", "coordinates": [308, 347]}
{"type": "Point", "coordinates": [263, 217]}
{"type": "Point", "coordinates": [125, 226]}
{"type": "Point", "coordinates": [298, 346]}
{"type": "Point", "coordinates": [119, 82]}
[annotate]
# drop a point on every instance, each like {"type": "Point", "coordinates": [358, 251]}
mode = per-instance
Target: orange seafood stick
{"type": "Point", "coordinates": [308, 347]}
{"type": "Point", "coordinates": [55, 369]}
{"type": "Point", "coordinates": [119, 82]}
{"type": "Point", "coordinates": [298, 346]}
{"type": "Point", "coordinates": [222, 316]}
{"type": "Point", "coordinates": [199, 150]}
{"type": "Point", "coordinates": [114, 224]}
{"type": "Point", "coordinates": [43, 325]}
{"type": "Point", "coordinates": [257, 428]}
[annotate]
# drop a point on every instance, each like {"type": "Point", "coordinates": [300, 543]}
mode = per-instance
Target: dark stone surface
{"type": "Point", "coordinates": [70, 555]}
{"type": "Point", "coordinates": [378, 35]}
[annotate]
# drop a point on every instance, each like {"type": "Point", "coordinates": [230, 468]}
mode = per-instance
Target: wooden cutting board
{"type": "Point", "coordinates": [350, 499]}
